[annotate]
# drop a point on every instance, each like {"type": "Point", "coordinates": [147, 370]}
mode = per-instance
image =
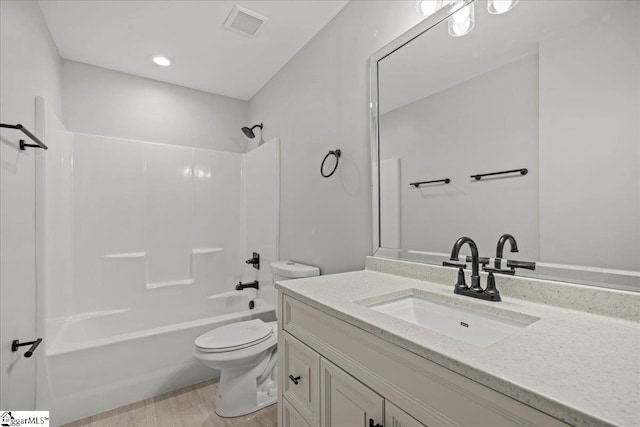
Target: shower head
{"type": "Point", "coordinates": [249, 131]}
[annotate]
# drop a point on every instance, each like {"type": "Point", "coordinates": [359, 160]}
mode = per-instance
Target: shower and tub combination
{"type": "Point", "coordinates": [142, 246]}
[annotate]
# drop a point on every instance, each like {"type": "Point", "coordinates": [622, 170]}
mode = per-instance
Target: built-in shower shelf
{"type": "Point", "coordinates": [126, 255]}
{"type": "Point", "coordinates": [155, 285]}
{"type": "Point", "coordinates": [206, 250]}
{"type": "Point", "coordinates": [182, 282]}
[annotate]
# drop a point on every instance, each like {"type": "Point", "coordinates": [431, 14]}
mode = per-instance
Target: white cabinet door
{"type": "Point", "coordinates": [396, 417]}
{"type": "Point", "coordinates": [291, 417]}
{"type": "Point", "coordinates": [345, 402]}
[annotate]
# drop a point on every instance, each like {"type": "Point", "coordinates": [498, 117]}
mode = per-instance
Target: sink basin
{"type": "Point", "coordinates": [471, 326]}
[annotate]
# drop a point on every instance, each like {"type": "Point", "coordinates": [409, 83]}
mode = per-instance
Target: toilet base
{"type": "Point", "coordinates": [263, 401]}
{"type": "Point", "coordinates": [241, 392]}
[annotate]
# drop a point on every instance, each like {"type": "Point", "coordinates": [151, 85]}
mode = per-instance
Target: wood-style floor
{"type": "Point", "coordinates": [186, 407]}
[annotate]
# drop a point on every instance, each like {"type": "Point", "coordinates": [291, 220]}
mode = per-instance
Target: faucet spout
{"type": "Point", "coordinates": [500, 248]}
{"type": "Point", "coordinates": [240, 286]}
{"type": "Point", "coordinates": [475, 260]}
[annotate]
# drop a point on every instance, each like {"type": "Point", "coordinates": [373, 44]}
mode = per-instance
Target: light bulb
{"type": "Point", "coordinates": [462, 15]}
{"type": "Point", "coordinates": [460, 28]}
{"type": "Point", "coordinates": [462, 21]}
{"type": "Point", "coordinates": [497, 7]}
{"type": "Point", "coordinates": [428, 7]}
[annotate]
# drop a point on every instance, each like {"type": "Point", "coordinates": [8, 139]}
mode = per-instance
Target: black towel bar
{"type": "Point", "coordinates": [23, 145]}
{"type": "Point", "coordinates": [479, 176]}
{"type": "Point", "coordinates": [418, 184]}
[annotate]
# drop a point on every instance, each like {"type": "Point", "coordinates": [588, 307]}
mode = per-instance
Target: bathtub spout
{"type": "Point", "coordinates": [240, 286]}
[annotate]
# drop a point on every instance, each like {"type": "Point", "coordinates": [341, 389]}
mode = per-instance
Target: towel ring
{"type": "Point", "coordinates": [335, 153]}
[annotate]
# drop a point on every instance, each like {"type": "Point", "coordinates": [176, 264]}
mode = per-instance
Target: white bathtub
{"type": "Point", "coordinates": [103, 360]}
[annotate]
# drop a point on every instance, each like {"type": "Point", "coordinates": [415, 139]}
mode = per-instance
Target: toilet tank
{"type": "Point", "coordinates": [286, 270]}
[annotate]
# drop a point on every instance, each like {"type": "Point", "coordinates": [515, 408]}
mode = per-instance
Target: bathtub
{"type": "Point", "coordinates": [134, 354]}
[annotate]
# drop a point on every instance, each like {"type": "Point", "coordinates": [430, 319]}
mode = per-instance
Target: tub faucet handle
{"type": "Point", "coordinates": [254, 261]}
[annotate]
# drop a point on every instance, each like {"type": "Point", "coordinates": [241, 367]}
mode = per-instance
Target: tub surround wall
{"type": "Point", "coordinates": [150, 225]}
{"type": "Point", "coordinates": [261, 213]}
{"type": "Point", "coordinates": [561, 364]}
{"type": "Point", "coordinates": [30, 67]}
{"type": "Point", "coordinates": [143, 246]}
{"type": "Point", "coordinates": [105, 102]}
{"type": "Point", "coordinates": [319, 102]}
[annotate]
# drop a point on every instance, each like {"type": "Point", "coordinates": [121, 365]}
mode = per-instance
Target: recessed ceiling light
{"type": "Point", "coordinates": [162, 61]}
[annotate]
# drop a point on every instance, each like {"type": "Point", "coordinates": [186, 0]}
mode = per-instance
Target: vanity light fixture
{"type": "Point", "coordinates": [463, 21]}
{"type": "Point", "coordinates": [498, 7]}
{"type": "Point", "coordinates": [161, 60]}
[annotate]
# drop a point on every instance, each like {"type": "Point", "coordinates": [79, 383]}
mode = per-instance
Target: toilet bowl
{"type": "Point", "coordinates": [246, 355]}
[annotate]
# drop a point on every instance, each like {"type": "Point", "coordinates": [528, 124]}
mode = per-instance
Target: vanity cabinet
{"type": "Point", "coordinates": [299, 377]}
{"type": "Point", "coordinates": [323, 394]}
{"type": "Point", "coordinates": [349, 376]}
{"type": "Point", "coordinates": [291, 417]}
{"type": "Point", "coordinates": [344, 401]}
{"type": "Point", "coordinates": [396, 417]}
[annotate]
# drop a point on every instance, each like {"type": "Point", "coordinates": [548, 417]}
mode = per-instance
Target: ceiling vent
{"type": "Point", "coordinates": [244, 21]}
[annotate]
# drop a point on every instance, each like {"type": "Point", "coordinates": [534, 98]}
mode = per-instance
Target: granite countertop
{"type": "Point", "coordinates": [580, 367]}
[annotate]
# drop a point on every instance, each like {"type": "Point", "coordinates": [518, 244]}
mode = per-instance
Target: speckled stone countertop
{"type": "Point", "coordinates": [580, 362]}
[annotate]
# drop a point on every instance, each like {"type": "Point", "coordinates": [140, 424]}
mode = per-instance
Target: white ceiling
{"type": "Point", "coordinates": [121, 35]}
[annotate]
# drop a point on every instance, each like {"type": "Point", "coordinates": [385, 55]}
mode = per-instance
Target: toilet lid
{"type": "Point", "coordinates": [234, 336]}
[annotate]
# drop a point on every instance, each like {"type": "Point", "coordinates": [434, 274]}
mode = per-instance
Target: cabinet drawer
{"type": "Point", "coordinates": [291, 417]}
{"type": "Point", "coordinates": [300, 365]}
{"type": "Point", "coordinates": [427, 391]}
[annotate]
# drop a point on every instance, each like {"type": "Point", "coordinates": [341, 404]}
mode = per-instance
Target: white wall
{"type": "Point", "coordinates": [110, 103]}
{"type": "Point", "coordinates": [316, 103]}
{"type": "Point", "coordinates": [435, 143]}
{"type": "Point", "coordinates": [29, 66]}
{"type": "Point", "coordinates": [590, 126]}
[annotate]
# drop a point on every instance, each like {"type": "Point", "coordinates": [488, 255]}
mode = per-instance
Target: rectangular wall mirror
{"type": "Point", "coordinates": [544, 98]}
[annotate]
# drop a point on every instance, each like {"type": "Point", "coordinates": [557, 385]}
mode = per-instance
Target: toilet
{"type": "Point", "coordinates": [246, 354]}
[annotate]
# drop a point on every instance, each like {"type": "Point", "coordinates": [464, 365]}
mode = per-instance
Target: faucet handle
{"type": "Point", "coordinates": [509, 271]}
{"type": "Point", "coordinates": [521, 264]}
{"type": "Point", "coordinates": [454, 264]}
{"type": "Point", "coordinates": [482, 260]}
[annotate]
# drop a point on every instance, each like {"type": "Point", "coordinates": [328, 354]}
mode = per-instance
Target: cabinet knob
{"type": "Point", "coordinates": [373, 423]}
{"type": "Point", "coordinates": [296, 380]}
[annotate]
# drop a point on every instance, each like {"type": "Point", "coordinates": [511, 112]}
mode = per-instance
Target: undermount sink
{"type": "Point", "coordinates": [471, 326]}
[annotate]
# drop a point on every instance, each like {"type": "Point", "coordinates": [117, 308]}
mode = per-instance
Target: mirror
{"type": "Point", "coordinates": [543, 102]}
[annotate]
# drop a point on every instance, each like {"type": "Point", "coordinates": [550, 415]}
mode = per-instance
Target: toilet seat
{"type": "Point", "coordinates": [234, 336]}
